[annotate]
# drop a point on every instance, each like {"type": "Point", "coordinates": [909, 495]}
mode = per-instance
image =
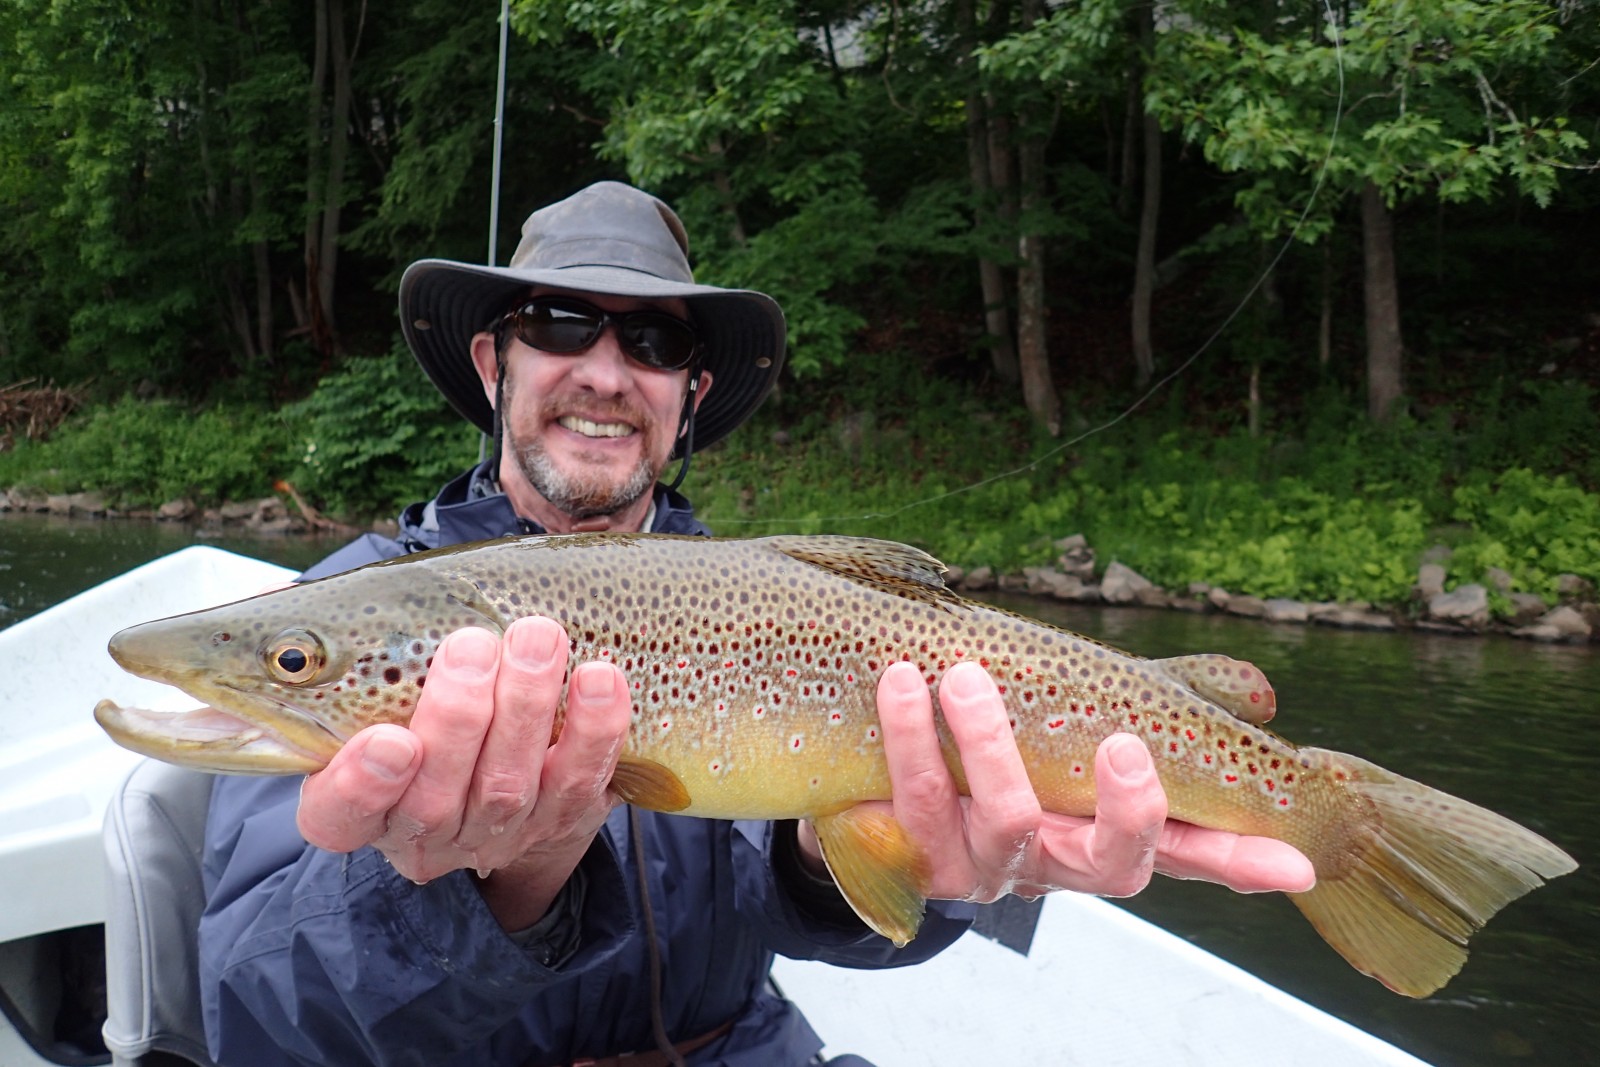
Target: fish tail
{"type": "Point", "coordinates": [1402, 899]}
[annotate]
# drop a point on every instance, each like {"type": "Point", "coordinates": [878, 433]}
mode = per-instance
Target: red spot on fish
{"type": "Point", "coordinates": [1172, 747]}
{"type": "Point", "coordinates": [1050, 691]}
{"type": "Point", "coordinates": [1283, 802]}
{"type": "Point", "coordinates": [1271, 785]}
{"type": "Point", "coordinates": [1056, 724]}
{"type": "Point", "coordinates": [1189, 734]}
{"type": "Point", "coordinates": [792, 673]}
{"type": "Point", "coordinates": [1230, 778]}
{"type": "Point", "coordinates": [983, 662]}
{"type": "Point", "coordinates": [1255, 698]}
{"type": "Point", "coordinates": [849, 677]}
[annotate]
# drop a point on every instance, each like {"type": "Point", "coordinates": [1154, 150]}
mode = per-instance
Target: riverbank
{"type": "Point", "coordinates": [1075, 576]}
{"type": "Point", "coordinates": [1481, 516]}
{"type": "Point", "coordinates": [1463, 611]}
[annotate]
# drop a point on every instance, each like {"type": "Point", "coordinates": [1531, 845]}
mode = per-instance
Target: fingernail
{"type": "Point", "coordinates": [1129, 760]}
{"type": "Point", "coordinates": [965, 682]}
{"type": "Point", "coordinates": [471, 653]}
{"type": "Point", "coordinates": [903, 681]}
{"type": "Point", "coordinates": [533, 644]}
{"type": "Point", "coordinates": [387, 757]}
{"type": "Point", "coordinates": [593, 682]}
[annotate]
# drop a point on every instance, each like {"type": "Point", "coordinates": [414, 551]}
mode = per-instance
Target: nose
{"type": "Point", "coordinates": [602, 367]}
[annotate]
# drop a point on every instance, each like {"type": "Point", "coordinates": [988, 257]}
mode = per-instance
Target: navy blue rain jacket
{"type": "Point", "coordinates": [313, 957]}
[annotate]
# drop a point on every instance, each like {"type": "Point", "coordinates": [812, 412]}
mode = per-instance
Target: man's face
{"type": "Point", "coordinates": [589, 432]}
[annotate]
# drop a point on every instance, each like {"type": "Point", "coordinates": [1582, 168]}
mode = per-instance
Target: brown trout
{"type": "Point", "coordinates": [753, 666]}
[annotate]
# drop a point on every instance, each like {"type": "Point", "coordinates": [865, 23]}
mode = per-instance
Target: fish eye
{"type": "Point", "coordinates": [294, 657]}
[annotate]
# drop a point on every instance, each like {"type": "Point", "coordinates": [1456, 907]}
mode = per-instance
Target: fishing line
{"type": "Point", "coordinates": [1288, 242]}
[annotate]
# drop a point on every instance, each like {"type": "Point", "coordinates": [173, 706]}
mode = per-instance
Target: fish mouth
{"type": "Point", "coordinates": [213, 739]}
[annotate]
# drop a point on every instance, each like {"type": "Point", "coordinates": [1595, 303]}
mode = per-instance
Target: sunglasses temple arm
{"type": "Point", "coordinates": [686, 427]}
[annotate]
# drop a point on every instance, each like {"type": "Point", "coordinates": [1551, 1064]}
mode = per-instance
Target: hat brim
{"type": "Point", "coordinates": [444, 303]}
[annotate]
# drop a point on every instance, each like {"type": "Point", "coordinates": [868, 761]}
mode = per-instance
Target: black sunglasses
{"type": "Point", "coordinates": [566, 326]}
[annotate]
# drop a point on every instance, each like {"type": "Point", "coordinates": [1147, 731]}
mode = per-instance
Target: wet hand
{"type": "Point", "coordinates": [1000, 841]}
{"type": "Point", "coordinates": [474, 783]}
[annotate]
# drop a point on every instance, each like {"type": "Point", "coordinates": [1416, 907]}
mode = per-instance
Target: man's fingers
{"type": "Point", "coordinates": [346, 804]}
{"type": "Point", "coordinates": [925, 799]}
{"type": "Point", "coordinates": [1130, 810]}
{"type": "Point", "coordinates": [451, 720]}
{"type": "Point", "coordinates": [1243, 864]}
{"type": "Point", "coordinates": [579, 765]}
{"type": "Point", "coordinates": [527, 688]}
{"type": "Point", "coordinates": [1003, 816]}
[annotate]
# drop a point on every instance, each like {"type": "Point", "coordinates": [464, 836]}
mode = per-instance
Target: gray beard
{"type": "Point", "coordinates": [582, 497]}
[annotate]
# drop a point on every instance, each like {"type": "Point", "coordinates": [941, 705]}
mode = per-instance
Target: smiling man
{"type": "Point", "coordinates": [468, 891]}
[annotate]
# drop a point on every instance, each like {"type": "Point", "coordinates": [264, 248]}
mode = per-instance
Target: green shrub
{"type": "Point", "coordinates": [141, 453]}
{"type": "Point", "coordinates": [376, 436]}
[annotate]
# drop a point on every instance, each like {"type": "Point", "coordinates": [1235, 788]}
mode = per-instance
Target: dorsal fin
{"type": "Point", "coordinates": [886, 564]}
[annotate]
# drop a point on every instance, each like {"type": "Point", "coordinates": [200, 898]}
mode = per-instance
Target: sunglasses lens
{"type": "Point", "coordinates": [653, 338]}
{"type": "Point", "coordinates": [553, 327]}
{"type": "Point", "coordinates": [659, 341]}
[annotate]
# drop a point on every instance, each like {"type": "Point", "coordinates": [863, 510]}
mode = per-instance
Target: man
{"type": "Point", "coordinates": [473, 894]}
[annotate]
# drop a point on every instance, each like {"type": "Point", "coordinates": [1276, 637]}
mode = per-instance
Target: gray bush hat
{"type": "Point", "coordinates": [609, 238]}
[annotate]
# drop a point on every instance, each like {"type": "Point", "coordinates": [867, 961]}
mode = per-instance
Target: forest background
{"type": "Point", "coordinates": [1271, 294]}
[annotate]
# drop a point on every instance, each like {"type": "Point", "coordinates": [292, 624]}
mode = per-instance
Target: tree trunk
{"type": "Point", "coordinates": [996, 314]}
{"type": "Point", "coordinates": [338, 149]}
{"type": "Point", "coordinates": [1384, 349]}
{"type": "Point", "coordinates": [1033, 351]}
{"type": "Point", "coordinates": [1325, 324]}
{"type": "Point", "coordinates": [1144, 269]}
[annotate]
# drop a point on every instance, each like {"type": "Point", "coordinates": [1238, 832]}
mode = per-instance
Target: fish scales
{"type": "Point", "coordinates": [753, 667]}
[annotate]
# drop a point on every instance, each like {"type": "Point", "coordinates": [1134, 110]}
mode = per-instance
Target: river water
{"type": "Point", "coordinates": [1503, 723]}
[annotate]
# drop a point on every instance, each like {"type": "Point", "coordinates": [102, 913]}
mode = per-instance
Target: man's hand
{"type": "Point", "coordinates": [475, 783]}
{"type": "Point", "coordinates": [999, 841]}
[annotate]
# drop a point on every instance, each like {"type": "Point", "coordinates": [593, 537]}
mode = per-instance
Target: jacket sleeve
{"type": "Point", "coordinates": [792, 926]}
{"type": "Point", "coordinates": [312, 957]}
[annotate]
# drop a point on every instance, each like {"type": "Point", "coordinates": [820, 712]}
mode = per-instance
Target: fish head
{"type": "Point", "coordinates": [289, 676]}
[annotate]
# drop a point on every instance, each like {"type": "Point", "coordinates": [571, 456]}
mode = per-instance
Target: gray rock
{"type": "Point", "coordinates": [954, 576]}
{"type": "Point", "coordinates": [1152, 596]}
{"type": "Point", "coordinates": [1568, 622]}
{"type": "Point", "coordinates": [1280, 609]}
{"type": "Point", "coordinates": [1525, 607]}
{"type": "Point", "coordinates": [1251, 607]}
{"type": "Point", "coordinates": [1466, 605]}
{"type": "Point", "coordinates": [1498, 579]}
{"type": "Point", "coordinates": [1218, 597]}
{"type": "Point", "coordinates": [1192, 605]}
{"type": "Point", "coordinates": [1199, 589]}
{"type": "Point", "coordinates": [58, 504]}
{"type": "Point", "coordinates": [1045, 581]}
{"type": "Point", "coordinates": [1430, 580]}
{"type": "Point", "coordinates": [1011, 583]}
{"type": "Point", "coordinates": [1088, 593]}
{"type": "Point", "coordinates": [1572, 587]}
{"type": "Point", "coordinates": [86, 503]}
{"type": "Point", "coordinates": [1354, 617]}
{"type": "Point", "coordinates": [237, 510]}
{"type": "Point", "coordinates": [1540, 632]}
{"type": "Point", "coordinates": [978, 579]}
{"type": "Point", "coordinates": [1121, 584]}
{"type": "Point", "coordinates": [1436, 554]}
{"type": "Point", "coordinates": [1072, 542]}
{"type": "Point", "coordinates": [176, 510]}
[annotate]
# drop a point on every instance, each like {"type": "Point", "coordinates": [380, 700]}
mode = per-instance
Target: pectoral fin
{"type": "Point", "coordinates": [1233, 685]}
{"type": "Point", "coordinates": [881, 871]}
{"type": "Point", "coordinates": [649, 785]}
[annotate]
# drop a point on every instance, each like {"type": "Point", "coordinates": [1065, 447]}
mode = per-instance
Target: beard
{"type": "Point", "coordinates": [589, 491]}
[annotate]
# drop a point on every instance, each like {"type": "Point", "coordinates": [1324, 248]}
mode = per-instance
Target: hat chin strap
{"type": "Point", "coordinates": [686, 428]}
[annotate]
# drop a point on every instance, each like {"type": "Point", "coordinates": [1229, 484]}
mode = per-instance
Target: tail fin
{"type": "Point", "coordinates": [1433, 872]}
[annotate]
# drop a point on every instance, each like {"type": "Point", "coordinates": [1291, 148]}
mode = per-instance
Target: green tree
{"type": "Point", "coordinates": [1451, 99]}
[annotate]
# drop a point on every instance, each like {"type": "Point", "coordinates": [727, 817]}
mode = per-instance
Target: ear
{"type": "Point", "coordinates": [487, 363]}
{"type": "Point", "coordinates": [705, 387]}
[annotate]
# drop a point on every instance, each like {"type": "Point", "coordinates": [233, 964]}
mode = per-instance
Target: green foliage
{"type": "Point", "coordinates": [1342, 514]}
{"type": "Point", "coordinates": [144, 453]}
{"type": "Point", "coordinates": [1532, 526]}
{"type": "Point", "coordinates": [376, 436]}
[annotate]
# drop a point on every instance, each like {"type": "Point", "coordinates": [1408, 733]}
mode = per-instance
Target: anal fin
{"type": "Point", "coordinates": [1239, 688]}
{"type": "Point", "coordinates": [647, 784]}
{"type": "Point", "coordinates": [882, 872]}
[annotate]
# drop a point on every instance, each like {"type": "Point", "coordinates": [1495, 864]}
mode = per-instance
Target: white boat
{"type": "Point", "coordinates": [1097, 985]}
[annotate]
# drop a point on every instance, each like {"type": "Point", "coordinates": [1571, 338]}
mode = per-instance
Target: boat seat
{"type": "Point", "coordinates": [153, 837]}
